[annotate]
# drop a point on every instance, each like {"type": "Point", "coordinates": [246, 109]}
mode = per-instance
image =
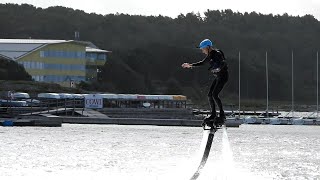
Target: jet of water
{"type": "Point", "coordinates": [226, 149]}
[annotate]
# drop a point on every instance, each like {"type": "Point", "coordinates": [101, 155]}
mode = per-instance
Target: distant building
{"type": "Point", "coordinates": [65, 62]}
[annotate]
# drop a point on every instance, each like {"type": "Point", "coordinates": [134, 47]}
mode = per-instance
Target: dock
{"type": "Point", "coordinates": [57, 121]}
{"type": "Point", "coordinates": [119, 116]}
{"type": "Point", "coordinates": [143, 121]}
{"type": "Point", "coordinates": [38, 122]}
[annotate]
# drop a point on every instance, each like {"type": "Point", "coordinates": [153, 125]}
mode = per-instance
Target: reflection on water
{"type": "Point", "coordinates": [151, 152]}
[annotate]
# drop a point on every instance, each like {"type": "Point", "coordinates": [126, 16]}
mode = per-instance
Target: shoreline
{"type": "Point", "coordinates": [58, 121]}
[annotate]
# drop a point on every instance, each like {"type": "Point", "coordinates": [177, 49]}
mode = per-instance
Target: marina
{"type": "Point", "coordinates": [140, 90]}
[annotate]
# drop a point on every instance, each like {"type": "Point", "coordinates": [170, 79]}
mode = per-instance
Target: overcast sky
{"type": "Point", "coordinates": [173, 8]}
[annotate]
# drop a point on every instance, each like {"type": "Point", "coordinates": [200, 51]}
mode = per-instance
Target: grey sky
{"type": "Point", "coordinates": [173, 8]}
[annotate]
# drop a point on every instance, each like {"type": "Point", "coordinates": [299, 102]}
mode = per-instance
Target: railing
{"type": "Point", "coordinates": [43, 106]}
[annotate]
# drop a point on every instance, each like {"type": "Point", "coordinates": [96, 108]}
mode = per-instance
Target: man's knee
{"type": "Point", "coordinates": [215, 96]}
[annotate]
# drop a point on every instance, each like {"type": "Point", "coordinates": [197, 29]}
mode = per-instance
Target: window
{"type": "Point", "coordinates": [42, 54]}
{"type": "Point", "coordinates": [32, 65]}
{"type": "Point", "coordinates": [64, 67]}
{"type": "Point", "coordinates": [63, 54]}
{"type": "Point", "coordinates": [101, 57]}
{"type": "Point", "coordinates": [55, 78]}
{"type": "Point", "coordinates": [28, 65]}
{"type": "Point", "coordinates": [36, 78]}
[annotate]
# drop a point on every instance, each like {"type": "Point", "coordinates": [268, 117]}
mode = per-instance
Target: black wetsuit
{"type": "Point", "coordinates": [216, 60]}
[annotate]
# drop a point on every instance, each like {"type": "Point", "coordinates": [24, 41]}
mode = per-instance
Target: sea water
{"type": "Point", "coordinates": [154, 152]}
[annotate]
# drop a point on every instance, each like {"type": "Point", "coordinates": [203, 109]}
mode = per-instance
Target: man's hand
{"type": "Point", "coordinates": [216, 70]}
{"type": "Point", "coordinates": [186, 65]}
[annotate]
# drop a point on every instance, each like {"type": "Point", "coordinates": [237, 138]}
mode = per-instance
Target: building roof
{"type": "Point", "coordinates": [90, 49]}
{"type": "Point", "coordinates": [4, 57]}
{"type": "Point", "coordinates": [17, 48]}
{"type": "Point", "coordinates": [32, 41]}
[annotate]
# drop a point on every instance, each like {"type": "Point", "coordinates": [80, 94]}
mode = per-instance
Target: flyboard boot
{"type": "Point", "coordinates": [219, 121]}
{"type": "Point", "coordinates": [208, 121]}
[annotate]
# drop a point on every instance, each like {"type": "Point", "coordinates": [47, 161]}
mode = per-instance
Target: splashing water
{"type": "Point", "coordinates": [227, 155]}
{"type": "Point", "coordinates": [222, 165]}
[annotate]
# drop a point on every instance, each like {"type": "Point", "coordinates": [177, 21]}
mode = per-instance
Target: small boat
{"type": "Point", "coordinates": [285, 121]}
{"type": "Point", "coordinates": [252, 120]}
{"type": "Point", "coordinates": [233, 122]}
{"type": "Point", "coordinates": [275, 121]}
{"type": "Point", "coordinates": [297, 121]}
{"type": "Point", "coordinates": [310, 122]}
{"type": "Point", "coordinates": [265, 120]}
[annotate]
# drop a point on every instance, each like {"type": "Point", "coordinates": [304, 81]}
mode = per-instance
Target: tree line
{"type": "Point", "coordinates": [147, 51]}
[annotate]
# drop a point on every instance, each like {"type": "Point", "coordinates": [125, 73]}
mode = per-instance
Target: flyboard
{"type": "Point", "coordinates": [212, 130]}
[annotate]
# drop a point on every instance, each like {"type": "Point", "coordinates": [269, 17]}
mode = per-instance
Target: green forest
{"type": "Point", "coordinates": [147, 51]}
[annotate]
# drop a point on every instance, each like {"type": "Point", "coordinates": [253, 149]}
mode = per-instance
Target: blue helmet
{"type": "Point", "coordinates": [205, 43]}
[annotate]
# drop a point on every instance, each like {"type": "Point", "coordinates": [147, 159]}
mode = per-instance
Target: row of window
{"type": "Point", "coordinates": [56, 78]}
{"type": "Point", "coordinates": [41, 65]}
{"type": "Point", "coordinates": [38, 78]}
{"type": "Point", "coordinates": [65, 67]}
{"type": "Point", "coordinates": [95, 56]}
{"type": "Point", "coordinates": [63, 54]}
{"type": "Point", "coordinates": [32, 65]}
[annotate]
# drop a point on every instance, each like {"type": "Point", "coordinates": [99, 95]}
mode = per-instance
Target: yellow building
{"type": "Point", "coordinates": [65, 62]}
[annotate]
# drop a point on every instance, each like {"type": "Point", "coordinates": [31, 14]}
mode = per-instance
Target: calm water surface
{"type": "Point", "coordinates": [151, 152]}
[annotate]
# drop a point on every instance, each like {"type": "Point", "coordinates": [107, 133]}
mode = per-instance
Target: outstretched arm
{"type": "Point", "coordinates": [200, 62]}
{"type": "Point", "coordinates": [188, 65]}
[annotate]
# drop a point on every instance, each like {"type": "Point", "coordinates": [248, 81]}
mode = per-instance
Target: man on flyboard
{"type": "Point", "coordinates": [219, 68]}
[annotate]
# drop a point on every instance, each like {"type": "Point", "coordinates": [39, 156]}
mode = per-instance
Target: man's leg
{"type": "Point", "coordinates": [221, 81]}
{"type": "Point", "coordinates": [208, 120]}
{"type": "Point", "coordinates": [211, 100]}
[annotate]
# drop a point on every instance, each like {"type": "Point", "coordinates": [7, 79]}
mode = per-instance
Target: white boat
{"type": "Point", "coordinates": [21, 95]}
{"type": "Point", "coordinates": [77, 96]}
{"type": "Point", "coordinates": [275, 121]}
{"type": "Point", "coordinates": [49, 96]}
{"type": "Point", "coordinates": [233, 122]}
{"type": "Point", "coordinates": [310, 122]}
{"type": "Point", "coordinates": [252, 120]}
{"type": "Point", "coordinates": [65, 96]}
{"type": "Point", "coordinates": [109, 96]}
{"type": "Point", "coordinates": [13, 103]}
{"type": "Point", "coordinates": [285, 120]}
{"type": "Point", "coordinates": [297, 121]}
{"type": "Point", "coordinates": [265, 120]}
{"type": "Point", "coordinates": [33, 102]}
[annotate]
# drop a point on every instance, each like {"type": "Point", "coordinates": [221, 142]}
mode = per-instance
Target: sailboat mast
{"type": "Point", "coordinates": [239, 84]}
{"type": "Point", "coordinates": [267, 84]}
{"type": "Point", "coordinates": [292, 88]}
{"type": "Point", "coordinates": [317, 85]}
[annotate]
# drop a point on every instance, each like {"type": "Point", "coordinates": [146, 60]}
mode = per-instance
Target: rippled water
{"type": "Point", "coordinates": [151, 152]}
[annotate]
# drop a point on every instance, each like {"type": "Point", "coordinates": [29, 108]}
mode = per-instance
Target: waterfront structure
{"type": "Point", "coordinates": [65, 62]}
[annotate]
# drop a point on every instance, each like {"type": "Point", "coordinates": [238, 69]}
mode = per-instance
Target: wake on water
{"type": "Point", "coordinates": [220, 164]}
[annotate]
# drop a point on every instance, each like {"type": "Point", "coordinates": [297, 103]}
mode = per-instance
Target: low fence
{"type": "Point", "coordinates": [56, 106]}
{"type": "Point", "coordinates": [41, 107]}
